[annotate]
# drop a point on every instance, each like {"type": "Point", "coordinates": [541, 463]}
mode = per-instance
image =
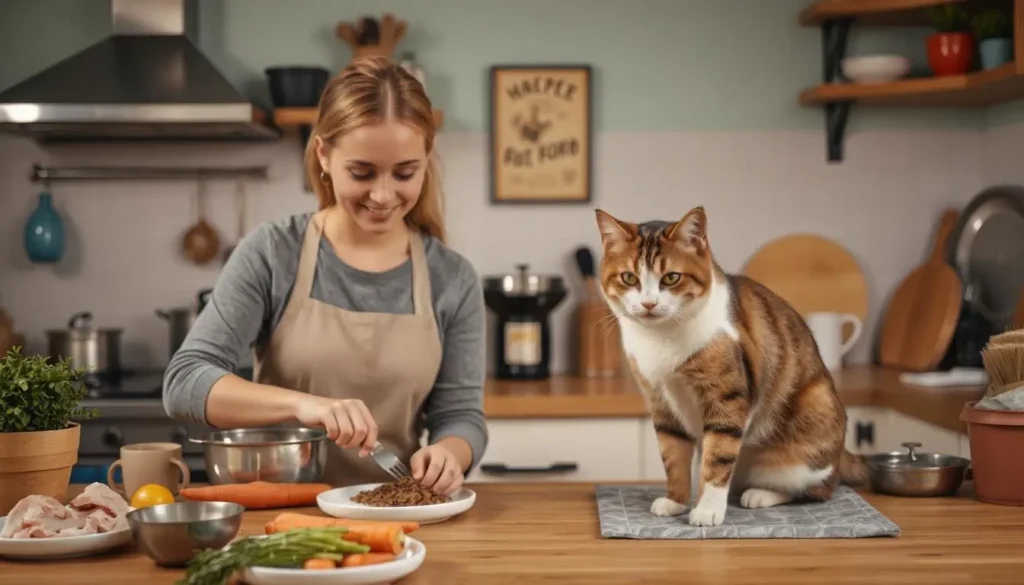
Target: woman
{"type": "Point", "coordinates": [363, 322]}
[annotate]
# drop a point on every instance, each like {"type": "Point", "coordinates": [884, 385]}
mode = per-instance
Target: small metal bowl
{"type": "Point", "coordinates": [171, 534]}
{"type": "Point", "coordinates": [277, 455]}
{"type": "Point", "coordinates": [916, 474]}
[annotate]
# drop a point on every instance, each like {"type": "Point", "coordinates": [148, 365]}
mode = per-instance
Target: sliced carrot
{"type": "Point", "coordinates": [370, 558]}
{"type": "Point", "coordinates": [321, 564]}
{"type": "Point", "coordinates": [258, 494]}
{"type": "Point", "coordinates": [291, 520]}
{"type": "Point", "coordinates": [385, 539]}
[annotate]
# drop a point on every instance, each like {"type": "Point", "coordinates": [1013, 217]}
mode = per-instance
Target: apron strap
{"type": "Point", "coordinates": [308, 256]}
{"type": "Point", "coordinates": [422, 303]}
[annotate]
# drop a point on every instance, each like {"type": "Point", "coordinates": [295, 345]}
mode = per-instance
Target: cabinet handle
{"type": "Point", "coordinates": [502, 469]}
{"type": "Point", "coordinates": [865, 433]}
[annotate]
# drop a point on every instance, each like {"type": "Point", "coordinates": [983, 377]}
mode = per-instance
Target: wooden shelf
{"type": "Point", "coordinates": [292, 117]}
{"type": "Point", "coordinates": [980, 89]}
{"type": "Point", "coordinates": [883, 12]}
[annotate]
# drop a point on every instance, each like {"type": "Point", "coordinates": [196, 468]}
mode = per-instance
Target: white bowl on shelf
{"type": "Point", "coordinates": [875, 68]}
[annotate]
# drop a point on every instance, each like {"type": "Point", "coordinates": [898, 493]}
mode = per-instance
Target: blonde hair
{"type": "Point", "coordinates": [368, 91]}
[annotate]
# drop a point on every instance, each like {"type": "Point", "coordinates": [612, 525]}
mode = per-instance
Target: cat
{"type": "Point", "coordinates": [729, 371]}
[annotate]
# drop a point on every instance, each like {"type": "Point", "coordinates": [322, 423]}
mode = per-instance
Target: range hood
{"type": "Point", "coordinates": [147, 81]}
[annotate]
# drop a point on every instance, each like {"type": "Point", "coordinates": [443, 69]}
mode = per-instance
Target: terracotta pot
{"type": "Point", "coordinates": [997, 442]}
{"type": "Point", "coordinates": [950, 53]}
{"type": "Point", "coordinates": [37, 462]}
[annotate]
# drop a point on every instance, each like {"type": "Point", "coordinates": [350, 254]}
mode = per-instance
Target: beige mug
{"type": "Point", "coordinates": [145, 463]}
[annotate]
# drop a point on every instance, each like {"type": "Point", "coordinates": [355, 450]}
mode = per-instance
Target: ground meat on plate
{"type": "Point", "coordinates": [404, 492]}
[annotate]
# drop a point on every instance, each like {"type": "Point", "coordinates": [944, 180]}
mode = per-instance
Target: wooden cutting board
{"type": "Point", "coordinates": [813, 274]}
{"type": "Point", "coordinates": [922, 315]}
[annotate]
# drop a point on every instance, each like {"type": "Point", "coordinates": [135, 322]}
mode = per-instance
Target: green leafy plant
{"type": "Point", "coordinates": [992, 24]}
{"type": "Point", "coordinates": [950, 18]}
{"type": "Point", "coordinates": [36, 395]}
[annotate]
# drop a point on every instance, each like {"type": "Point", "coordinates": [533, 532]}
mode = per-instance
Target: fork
{"type": "Point", "coordinates": [389, 462]}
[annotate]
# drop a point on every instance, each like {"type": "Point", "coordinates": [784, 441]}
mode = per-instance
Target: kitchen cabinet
{"type": "Point", "coordinates": [576, 449]}
{"type": "Point", "coordinates": [625, 449]}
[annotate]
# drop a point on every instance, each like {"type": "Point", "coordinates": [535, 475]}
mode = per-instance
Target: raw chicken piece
{"type": "Point", "coordinates": [97, 509]}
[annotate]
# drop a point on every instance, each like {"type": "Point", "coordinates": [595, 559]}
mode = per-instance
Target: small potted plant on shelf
{"type": "Point", "coordinates": [951, 48]}
{"type": "Point", "coordinates": [995, 38]}
{"type": "Point", "coordinates": [38, 439]}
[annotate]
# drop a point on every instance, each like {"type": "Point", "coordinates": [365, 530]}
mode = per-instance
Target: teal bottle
{"type": "Point", "coordinates": [44, 232]}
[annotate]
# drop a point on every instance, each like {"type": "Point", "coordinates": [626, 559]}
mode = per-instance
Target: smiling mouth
{"type": "Point", "coordinates": [378, 211]}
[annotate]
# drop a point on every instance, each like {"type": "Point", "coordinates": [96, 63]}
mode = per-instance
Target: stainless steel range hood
{"type": "Point", "coordinates": [145, 82]}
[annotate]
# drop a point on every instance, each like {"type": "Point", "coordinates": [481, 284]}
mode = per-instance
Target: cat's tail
{"type": "Point", "coordinates": [852, 469]}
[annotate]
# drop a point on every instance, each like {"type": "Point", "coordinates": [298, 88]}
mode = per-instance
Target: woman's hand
{"type": "Point", "coordinates": [348, 422]}
{"type": "Point", "coordinates": [437, 468]}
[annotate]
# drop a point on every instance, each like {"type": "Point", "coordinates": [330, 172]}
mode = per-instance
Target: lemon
{"type": "Point", "coordinates": [151, 494]}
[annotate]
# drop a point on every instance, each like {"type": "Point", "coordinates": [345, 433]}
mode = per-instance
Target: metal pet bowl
{"type": "Point", "coordinates": [916, 474]}
{"type": "Point", "coordinates": [276, 455]}
{"type": "Point", "coordinates": [171, 534]}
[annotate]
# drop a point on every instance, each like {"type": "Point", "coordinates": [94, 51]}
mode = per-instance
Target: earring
{"type": "Point", "coordinates": [324, 177]}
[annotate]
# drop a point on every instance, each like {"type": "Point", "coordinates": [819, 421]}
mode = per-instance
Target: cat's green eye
{"type": "Point", "coordinates": [671, 278]}
{"type": "Point", "coordinates": [629, 279]}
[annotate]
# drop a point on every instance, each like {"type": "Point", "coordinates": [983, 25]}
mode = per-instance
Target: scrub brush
{"type": "Point", "coordinates": [1003, 357]}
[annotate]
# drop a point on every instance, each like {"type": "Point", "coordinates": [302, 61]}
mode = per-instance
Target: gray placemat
{"type": "Point", "coordinates": [625, 512]}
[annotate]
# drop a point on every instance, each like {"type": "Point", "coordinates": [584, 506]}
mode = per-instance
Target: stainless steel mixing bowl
{"type": "Point", "coordinates": [171, 534]}
{"type": "Point", "coordinates": [277, 455]}
{"type": "Point", "coordinates": [916, 474]}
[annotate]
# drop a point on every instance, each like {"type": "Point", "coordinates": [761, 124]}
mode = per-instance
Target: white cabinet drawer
{"type": "Point", "coordinates": [933, 438]}
{"type": "Point", "coordinates": [526, 450]}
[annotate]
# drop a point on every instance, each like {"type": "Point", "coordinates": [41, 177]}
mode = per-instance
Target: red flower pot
{"type": "Point", "coordinates": [950, 53]}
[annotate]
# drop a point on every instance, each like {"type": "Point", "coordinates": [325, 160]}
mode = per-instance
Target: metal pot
{"type": "Point", "coordinates": [916, 474]}
{"type": "Point", "coordinates": [96, 350]}
{"type": "Point", "coordinates": [181, 320]}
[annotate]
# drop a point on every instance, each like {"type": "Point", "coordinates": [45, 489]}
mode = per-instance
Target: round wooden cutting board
{"type": "Point", "coordinates": [811, 273]}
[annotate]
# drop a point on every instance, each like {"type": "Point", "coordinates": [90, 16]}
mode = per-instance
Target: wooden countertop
{"type": "Point", "coordinates": [531, 533]}
{"type": "Point", "coordinates": [572, 397]}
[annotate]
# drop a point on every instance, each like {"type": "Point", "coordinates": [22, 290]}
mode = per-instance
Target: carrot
{"type": "Point", "coordinates": [258, 494]}
{"type": "Point", "coordinates": [315, 563]}
{"type": "Point", "coordinates": [290, 521]}
{"type": "Point", "coordinates": [372, 558]}
{"type": "Point", "coordinates": [384, 539]}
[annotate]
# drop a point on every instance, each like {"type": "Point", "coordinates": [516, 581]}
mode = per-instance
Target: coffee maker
{"type": "Point", "coordinates": [522, 303]}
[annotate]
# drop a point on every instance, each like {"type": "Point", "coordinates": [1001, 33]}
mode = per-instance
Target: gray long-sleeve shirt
{"type": "Point", "coordinates": [253, 290]}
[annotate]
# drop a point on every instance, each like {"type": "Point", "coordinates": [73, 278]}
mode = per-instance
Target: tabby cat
{"type": "Point", "coordinates": [728, 369]}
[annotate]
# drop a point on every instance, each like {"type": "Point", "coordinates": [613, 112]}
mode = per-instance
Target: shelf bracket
{"type": "Point", "coordinates": [834, 34]}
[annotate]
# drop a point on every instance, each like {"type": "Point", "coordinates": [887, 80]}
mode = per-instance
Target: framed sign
{"type": "Point", "coordinates": [540, 133]}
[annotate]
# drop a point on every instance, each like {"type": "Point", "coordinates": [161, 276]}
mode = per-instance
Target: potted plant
{"type": "Point", "coordinates": [951, 48]}
{"type": "Point", "coordinates": [38, 439]}
{"type": "Point", "coordinates": [994, 34]}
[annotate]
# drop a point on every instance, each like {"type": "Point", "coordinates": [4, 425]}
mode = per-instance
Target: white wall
{"type": "Point", "coordinates": [123, 262]}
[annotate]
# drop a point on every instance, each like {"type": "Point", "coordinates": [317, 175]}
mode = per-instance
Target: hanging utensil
{"type": "Point", "coordinates": [201, 243]}
{"type": "Point", "coordinates": [240, 201]}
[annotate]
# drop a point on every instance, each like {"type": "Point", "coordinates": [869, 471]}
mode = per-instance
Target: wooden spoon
{"type": "Point", "coordinates": [201, 243]}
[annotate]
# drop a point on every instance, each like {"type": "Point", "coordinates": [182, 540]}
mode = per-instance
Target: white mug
{"type": "Point", "coordinates": [827, 329]}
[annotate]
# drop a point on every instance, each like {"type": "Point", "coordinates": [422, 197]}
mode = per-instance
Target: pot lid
{"type": "Point", "coordinates": [80, 325]}
{"type": "Point", "coordinates": [913, 459]}
{"type": "Point", "coordinates": [522, 283]}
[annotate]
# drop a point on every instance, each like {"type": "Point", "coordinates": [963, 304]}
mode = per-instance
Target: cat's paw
{"type": "Point", "coordinates": [759, 498]}
{"type": "Point", "coordinates": [707, 516]}
{"type": "Point", "coordinates": [667, 507]}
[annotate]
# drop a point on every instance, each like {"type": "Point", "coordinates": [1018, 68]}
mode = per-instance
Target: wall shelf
{"type": "Point", "coordinates": [977, 89]}
{"type": "Point", "coordinates": [293, 117]}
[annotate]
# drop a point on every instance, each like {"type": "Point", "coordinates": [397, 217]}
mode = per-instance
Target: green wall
{"type": "Point", "coordinates": [660, 65]}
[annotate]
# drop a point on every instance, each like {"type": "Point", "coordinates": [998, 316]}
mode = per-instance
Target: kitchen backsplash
{"type": "Point", "coordinates": [124, 262]}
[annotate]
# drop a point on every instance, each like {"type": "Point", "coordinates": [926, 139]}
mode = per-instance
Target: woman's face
{"type": "Point", "coordinates": [377, 172]}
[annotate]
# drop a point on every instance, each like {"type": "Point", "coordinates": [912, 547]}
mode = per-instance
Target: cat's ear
{"type": "Point", "coordinates": [692, 230]}
{"type": "Point", "coordinates": [614, 231]}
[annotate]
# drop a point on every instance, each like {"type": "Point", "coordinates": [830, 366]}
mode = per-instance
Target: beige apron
{"type": "Point", "coordinates": [388, 361]}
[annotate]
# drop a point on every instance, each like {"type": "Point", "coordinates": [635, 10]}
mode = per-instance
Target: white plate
{"type": "Point", "coordinates": [338, 503]}
{"type": "Point", "coordinates": [62, 547]}
{"type": "Point", "coordinates": [405, 562]}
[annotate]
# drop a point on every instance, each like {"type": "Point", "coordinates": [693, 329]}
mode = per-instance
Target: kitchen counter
{"type": "Point", "coordinates": [863, 385]}
{"type": "Point", "coordinates": [531, 533]}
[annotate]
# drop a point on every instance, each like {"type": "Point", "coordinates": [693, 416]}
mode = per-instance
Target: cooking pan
{"type": "Point", "coordinates": [95, 349]}
{"type": "Point", "coordinates": [181, 319]}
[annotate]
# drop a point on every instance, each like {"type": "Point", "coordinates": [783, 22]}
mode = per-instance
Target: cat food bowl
{"type": "Point", "coordinates": [915, 474]}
